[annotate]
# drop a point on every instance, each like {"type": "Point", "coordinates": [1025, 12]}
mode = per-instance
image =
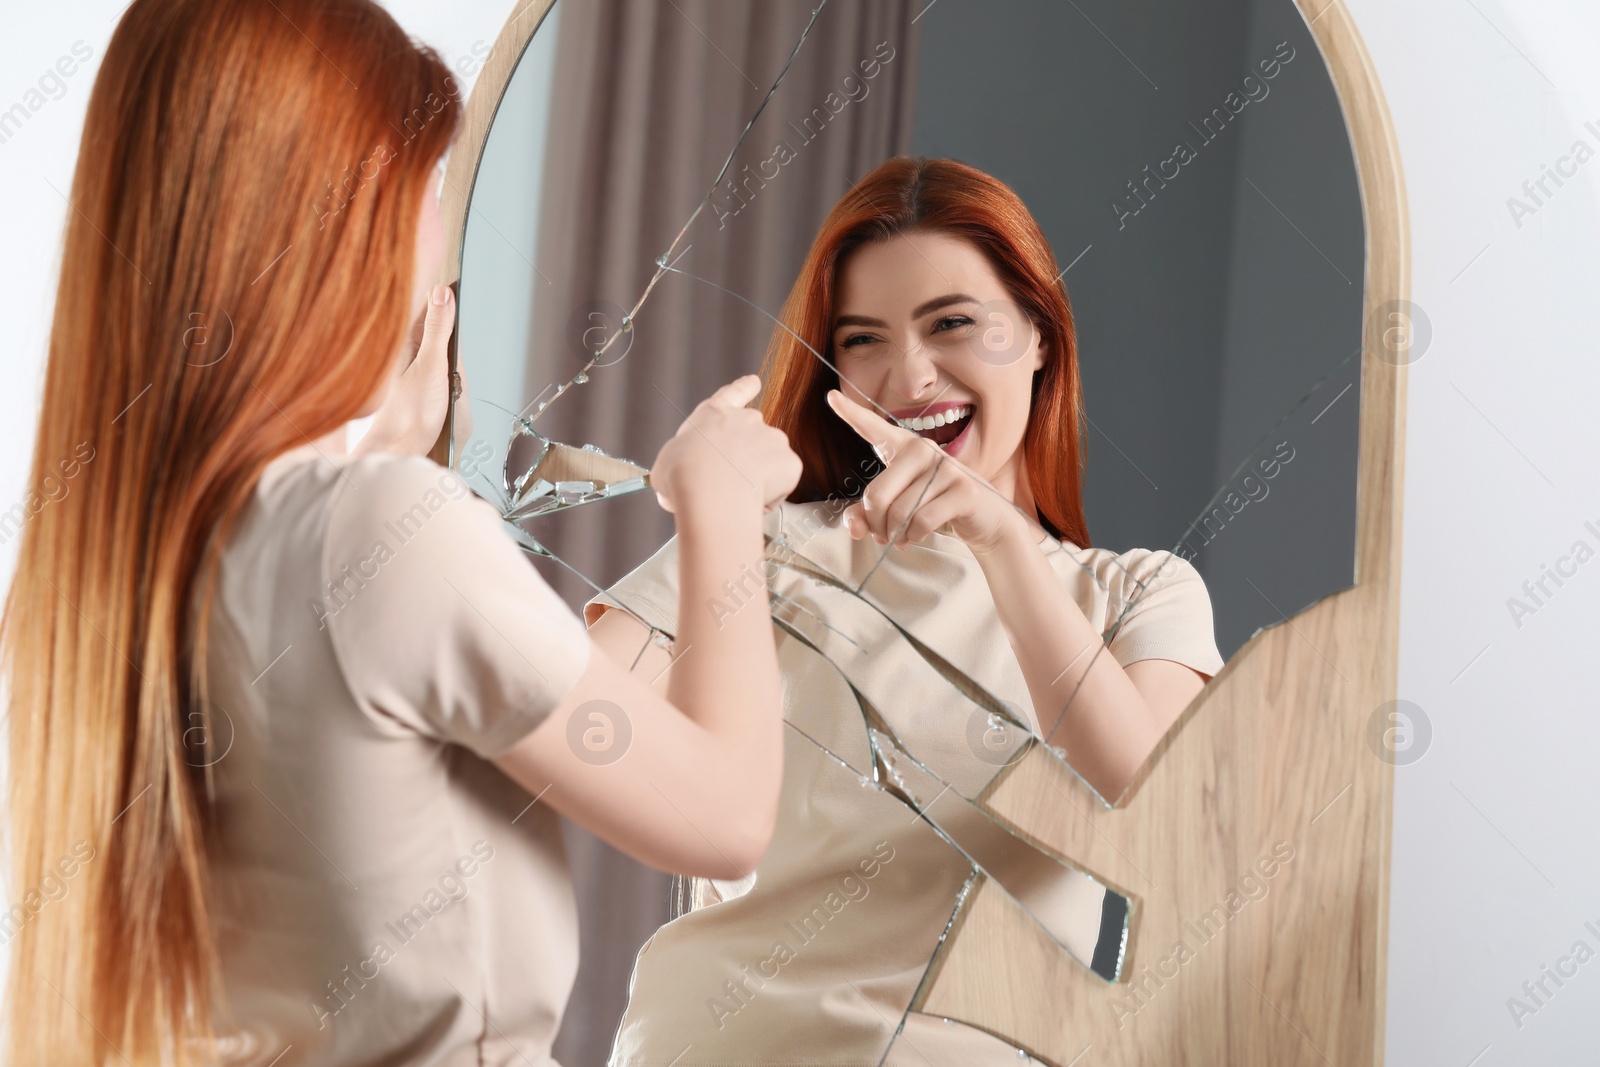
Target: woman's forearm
{"type": "Point", "coordinates": [692, 786]}
{"type": "Point", "coordinates": [1085, 701]}
{"type": "Point", "coordinates": [724, 672]}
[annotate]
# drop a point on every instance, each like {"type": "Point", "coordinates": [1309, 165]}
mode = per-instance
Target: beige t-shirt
{"type": "Point", "coordinates": [384, 894]}
{"type": "Point", "coordinates": [815, 960]}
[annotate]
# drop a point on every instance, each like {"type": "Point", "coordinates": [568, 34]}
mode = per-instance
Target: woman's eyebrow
{"type": "Point", "coordinates": [924, 308]}
{"type": "Point", "coordinates": [941, 302]}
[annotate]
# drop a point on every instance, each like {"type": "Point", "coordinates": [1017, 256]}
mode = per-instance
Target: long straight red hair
{"type": "Point", "coordinates": [942, 195]}
{"type": "Point", "coordinates": [236, 280]}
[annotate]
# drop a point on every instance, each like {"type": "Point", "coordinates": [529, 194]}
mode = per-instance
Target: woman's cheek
{"type": "Point", "coordinates": [860, 378]}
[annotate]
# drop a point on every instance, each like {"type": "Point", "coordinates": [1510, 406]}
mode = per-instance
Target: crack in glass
{"type": "Point", "coordinates": [1090, 920]}
{"type": "Point", "coordinates": [542, 477]}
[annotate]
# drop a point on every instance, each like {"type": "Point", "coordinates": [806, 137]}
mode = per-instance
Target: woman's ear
{"type": "Point", "coordinates": [1039, 350]}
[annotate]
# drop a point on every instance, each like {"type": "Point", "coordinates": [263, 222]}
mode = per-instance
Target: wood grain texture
{"type": "Point", "coordinates": [1273, 753]}
{"type": "Point", "coordinates": [466, 155]}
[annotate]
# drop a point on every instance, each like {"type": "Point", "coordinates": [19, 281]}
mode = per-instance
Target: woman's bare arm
{"type": "Point", "coordinates": [694, 787]}
{"type": "Point", "coordinates": [1107, 718]}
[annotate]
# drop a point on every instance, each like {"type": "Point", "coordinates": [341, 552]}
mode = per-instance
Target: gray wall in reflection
{"type": "Point", "coordinates": [1208, 303]}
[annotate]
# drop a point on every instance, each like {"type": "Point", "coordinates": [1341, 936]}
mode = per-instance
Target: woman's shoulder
{"type": "Point", "coordinates": [395, 500]}
{"type": "Point", "coordinates": [313, 485]}
{"type": "Point", "coordinates": [382, 479]}
{"type": "Point", "coordinates": [436, 617]}
{"type": "Point", "coordinates": [1154, 602]}
{"type": "Point", "coordinates": [1129, 569]}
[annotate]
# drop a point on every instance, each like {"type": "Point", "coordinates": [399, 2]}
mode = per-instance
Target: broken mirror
{"type": "Point", "coordinates": [651, 189]}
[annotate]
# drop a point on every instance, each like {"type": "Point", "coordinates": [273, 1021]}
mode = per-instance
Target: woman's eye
{"type": "Point", "coordinates": [951, 322]}
{"type": "Point", "coordinates": [855, 340]}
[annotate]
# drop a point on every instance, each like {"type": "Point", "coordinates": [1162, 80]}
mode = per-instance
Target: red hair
{"type": "Point", "coordinates": [254, 168]}
{"type": "Point", "coordinates": [901, 195]}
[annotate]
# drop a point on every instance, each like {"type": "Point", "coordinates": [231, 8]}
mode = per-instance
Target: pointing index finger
{"type": "Point", "coordinates": [877, 431]}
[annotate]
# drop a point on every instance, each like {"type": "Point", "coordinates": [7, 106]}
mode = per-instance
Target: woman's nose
{"type": "Point", "coordinates": [914, 373]}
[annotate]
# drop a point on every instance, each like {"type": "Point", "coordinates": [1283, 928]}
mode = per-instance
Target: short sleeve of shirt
{"type": "Point", "coordinates": [437, 619]}
{"type": "Point", "coordinates": [649, 591]}
{"type": "Point", "coordinates": [1158, 608]}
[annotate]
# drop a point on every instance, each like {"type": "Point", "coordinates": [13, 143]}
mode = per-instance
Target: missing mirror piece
{"type": "Point", "coordinates": [1251, 887]}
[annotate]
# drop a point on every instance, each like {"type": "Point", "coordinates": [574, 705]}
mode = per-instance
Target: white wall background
{"type": "Point", "coordinates": [1495, 870]}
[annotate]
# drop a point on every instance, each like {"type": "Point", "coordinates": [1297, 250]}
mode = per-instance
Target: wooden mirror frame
{"type": "Point", "coordinates": [1272, 754]}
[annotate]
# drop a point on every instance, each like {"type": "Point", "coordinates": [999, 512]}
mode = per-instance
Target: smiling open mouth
{"type": "Point", "coordinates": [942, 428]}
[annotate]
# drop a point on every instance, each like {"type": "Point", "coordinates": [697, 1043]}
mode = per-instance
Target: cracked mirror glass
{"type": "Point", "coordinates": [652, 188]}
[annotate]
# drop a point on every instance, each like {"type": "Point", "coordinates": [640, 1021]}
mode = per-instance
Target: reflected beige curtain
{"type": "Point", "coordinates": [649, 97]}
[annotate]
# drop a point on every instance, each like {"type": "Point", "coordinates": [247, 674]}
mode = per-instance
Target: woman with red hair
{"type": "Point", "coordinates": [290, 724]}
{"type": "Point", "coordinates": [926, 373]}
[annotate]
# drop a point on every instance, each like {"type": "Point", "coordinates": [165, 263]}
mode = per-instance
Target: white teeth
{"type": "Point", "coordinates": [944, 418]}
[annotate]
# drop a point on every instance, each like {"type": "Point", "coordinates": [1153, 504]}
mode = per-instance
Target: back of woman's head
{"type": "Point", "coordinates": [903, 195]}
{"type": "Point", "coordinates": [236, 278]}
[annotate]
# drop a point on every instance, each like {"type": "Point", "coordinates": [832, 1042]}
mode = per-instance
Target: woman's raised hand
{"type": "Point", "coordinates": [724, 451]}
{"type": "Point", "coordinates": [418, 398]}
{"type": "Point", "coordinates": [696, 791]}
{"type": "Point", "coordinates": [921, 488]}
